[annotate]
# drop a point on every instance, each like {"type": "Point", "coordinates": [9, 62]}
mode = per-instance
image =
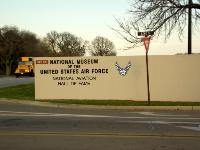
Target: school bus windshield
{"type": "Point", "coordinates": [25, 63]}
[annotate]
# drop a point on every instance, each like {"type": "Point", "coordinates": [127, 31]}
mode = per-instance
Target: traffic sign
{"type": "Point", "coordinates": [146, 41]}
{"type": "Point", "coordinates": [146, 33]}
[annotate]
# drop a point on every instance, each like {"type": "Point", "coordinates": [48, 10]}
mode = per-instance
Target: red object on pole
{"type": "Point", "coordinates": [146, 43]}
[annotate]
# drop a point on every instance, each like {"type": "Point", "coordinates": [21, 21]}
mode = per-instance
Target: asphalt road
{"type": "Point", "coordinates": [25, 127]}
{"type": "Point", "coordinates": [12, 81]}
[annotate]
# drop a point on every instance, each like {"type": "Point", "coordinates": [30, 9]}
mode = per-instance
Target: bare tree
{"type": "Point", "coordinates": [161, 16]}
{"type": "Point", "coordinates": [65, 44]}
{"type": "Point", "coordinates": [70, 45]}
{"type": "Point", "coordinates": [102, 47]}
{"type": "Point", "coordinates": [52, 40]}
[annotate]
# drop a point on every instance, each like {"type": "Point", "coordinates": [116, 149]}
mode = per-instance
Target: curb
{"type": "Point", "coordinates": [75, 106]}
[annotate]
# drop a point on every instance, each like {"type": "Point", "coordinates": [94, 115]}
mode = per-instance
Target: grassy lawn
{"type": "Point", "coordinates": [23, 92]}
{"type": "Point", "coordinates": [124, 103]}
{"type": "Point", "coordinates": [26, 92]}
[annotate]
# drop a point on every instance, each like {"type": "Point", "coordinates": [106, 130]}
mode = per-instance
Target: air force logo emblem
{"type": "Point", "coordinates": [123, 71]}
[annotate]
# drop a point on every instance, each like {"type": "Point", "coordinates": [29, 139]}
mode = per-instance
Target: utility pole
{"type": "Point", "coordinates": [190, 27]}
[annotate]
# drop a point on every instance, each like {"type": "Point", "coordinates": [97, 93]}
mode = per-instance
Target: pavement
{"type": "Point", "coordinates": [25, 126]}
{"type": "Point", "coordinates": [7, 81]}
{"type": "Point", "coordinates": [49, 104]}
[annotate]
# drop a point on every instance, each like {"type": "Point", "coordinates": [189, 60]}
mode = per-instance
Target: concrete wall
{"type": "Point", "coordinates": [172, 78]}
{"type": "Point", "coordinates": [175, 78]}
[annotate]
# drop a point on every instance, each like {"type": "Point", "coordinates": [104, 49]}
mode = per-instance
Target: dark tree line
{"type": "Point", "coordinates": [68, 44]}
{"type": "Point", "coordinates": [15, 43]}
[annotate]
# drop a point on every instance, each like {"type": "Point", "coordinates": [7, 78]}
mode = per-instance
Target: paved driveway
{"type": "Point", "coordinates": [12, 81]}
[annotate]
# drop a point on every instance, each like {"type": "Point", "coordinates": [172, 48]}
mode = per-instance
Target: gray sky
{"type": "Point", "coordinates": [84, 18]}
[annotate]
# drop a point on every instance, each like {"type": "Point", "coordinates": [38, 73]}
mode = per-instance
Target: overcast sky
{"type": "Point", "coordinates": [84, 18]}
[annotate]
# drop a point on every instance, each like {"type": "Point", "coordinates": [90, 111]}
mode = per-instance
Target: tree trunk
{"type": "Point", "coordinates": [8, 65]}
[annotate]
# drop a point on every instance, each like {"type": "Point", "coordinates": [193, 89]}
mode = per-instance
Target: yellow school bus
{"type": "Point", "coordinates": [25, 67]}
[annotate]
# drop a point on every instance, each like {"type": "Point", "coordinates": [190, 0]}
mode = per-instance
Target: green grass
{"type": "Point", "coordinates": [26, 92]}
{"type": "Point", "coordinates": [21, 92]}
{"type": "Point", "coordinates": [124, 103]}
{"type": "Point", "coordinates": [102, 102]}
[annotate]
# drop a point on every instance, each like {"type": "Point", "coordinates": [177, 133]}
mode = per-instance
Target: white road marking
{"type": "Point", "coordinates": [190, 128]}
{"type": "Point", "coordinates": [163, 122]}
{"type": "Point", "coordinates": [170, 122]}
{"type": "Point", "coordinates": [161, 115]}
{"type": "Point", "coordinates": [36, 114]}
{"type": "Point", "coordinates": [32, 114]}
{"type": "Point", "coordinates": [152, 122]}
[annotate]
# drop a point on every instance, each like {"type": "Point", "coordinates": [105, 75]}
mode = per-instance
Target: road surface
{"type": "Point", "coordinates": [25, 127]}
{"type": "Point", "coordinates": [12, 81]}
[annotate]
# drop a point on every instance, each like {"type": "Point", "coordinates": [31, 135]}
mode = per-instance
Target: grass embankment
{"type": "Point", "coordinates": [26, 92]}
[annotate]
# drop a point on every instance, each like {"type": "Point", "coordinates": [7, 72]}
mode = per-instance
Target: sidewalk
{"type": "Point", "coordinates": [74, 106]}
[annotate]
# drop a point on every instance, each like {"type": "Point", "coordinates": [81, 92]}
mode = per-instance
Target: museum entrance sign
{"type": "Point", "coordinates": [85, 78]}
{"type": "Point", "coordinates": [118, 78]}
